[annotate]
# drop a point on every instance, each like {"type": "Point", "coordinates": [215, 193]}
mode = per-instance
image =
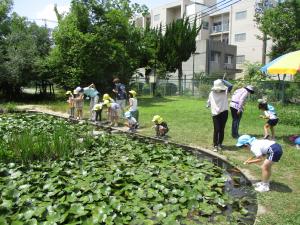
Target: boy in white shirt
{"type": "Point", "coordinates": [260, 148]}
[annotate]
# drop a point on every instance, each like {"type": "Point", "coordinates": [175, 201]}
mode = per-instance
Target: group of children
{"type": "Point", "coordinates": [114, 109]}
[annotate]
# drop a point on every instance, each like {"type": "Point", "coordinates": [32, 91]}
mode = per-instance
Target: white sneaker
{"type": "Point", "coordinates": [257, 184]}
{"type": "Point", "coordinates": [262, 188]}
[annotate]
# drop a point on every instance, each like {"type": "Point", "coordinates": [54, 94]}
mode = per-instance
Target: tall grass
{"type": "Point", "coordinates": [27, 146]}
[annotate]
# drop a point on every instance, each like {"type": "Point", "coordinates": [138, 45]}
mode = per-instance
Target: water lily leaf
{"type": "Point", "coordinates": [77, 209]}
{"type": "Point", "coordinates": [161, 214]}
{"type": "Point", "coordinates": [7, 204]}
{"type": "Point", "coordinates": [28, 214]}
{"type": "Point", "coordinates": [15, 174]}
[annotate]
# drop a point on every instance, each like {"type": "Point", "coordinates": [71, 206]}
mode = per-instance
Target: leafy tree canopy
{"type": "Point", "coordinates": [95, 42]}
{"type": "Point", "coordinates": [282, 25]}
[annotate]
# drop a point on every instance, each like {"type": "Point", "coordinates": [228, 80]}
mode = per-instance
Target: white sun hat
{"type": "Point", "coordinates": [219, 86]}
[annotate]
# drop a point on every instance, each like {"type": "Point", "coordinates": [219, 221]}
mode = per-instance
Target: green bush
{"type": "Point", "coordinates": [204, 90]}
{"type": "Point", "coordinates": [288, 115]}
{"type": "Point", "coordinates": [168, 89]}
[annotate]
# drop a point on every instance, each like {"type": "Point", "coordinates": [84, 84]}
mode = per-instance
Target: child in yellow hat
{"type": "Point", "coordinates": [133, 105]}
{"type": "Point", "coordinates": [161, 127]}
{"type": "Point", "coordinates": [70, 101]}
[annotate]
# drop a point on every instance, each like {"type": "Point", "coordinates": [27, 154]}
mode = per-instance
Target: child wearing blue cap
{"type": "Point", "coordinates": [261, 148]}
{"type": "Point", "coordinates": [271, 117]}
{"type": "Point", "coordinates": [132, 124]}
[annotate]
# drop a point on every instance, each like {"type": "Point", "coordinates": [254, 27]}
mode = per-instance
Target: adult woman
{"type": "Point", "coordinates": [237, 105]}
{"type": "Point", "coordinates": [218, 102]}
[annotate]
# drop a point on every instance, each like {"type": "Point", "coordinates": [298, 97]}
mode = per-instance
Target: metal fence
{"type": "Point", "coordinates": [273, 90]}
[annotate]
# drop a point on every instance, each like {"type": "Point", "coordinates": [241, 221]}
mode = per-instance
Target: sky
{"type": "Point", "coordinates": [43, 9]}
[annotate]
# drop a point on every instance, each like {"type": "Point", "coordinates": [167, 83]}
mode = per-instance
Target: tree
{"type": "Point", "coordinates": [22, 44]}
{"type": "Point", "coordinates": [177, 45]}
{"type": "Point", "coordinates": [95, 42]}
{"type": "Point", "coordinates": [282, 25]}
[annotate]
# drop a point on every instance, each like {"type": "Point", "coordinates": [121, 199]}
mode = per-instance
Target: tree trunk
{"type": "Point", "coordinates": [180, 79]}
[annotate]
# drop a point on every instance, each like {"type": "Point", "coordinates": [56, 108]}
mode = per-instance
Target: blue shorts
{"type": "Point", "coordinates": [272, 122]}
{"type": "Point", "coordinates": [274, 152]}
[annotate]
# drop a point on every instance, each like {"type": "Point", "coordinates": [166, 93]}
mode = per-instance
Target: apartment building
{"type": "Point", "coordinates": [233, 25]}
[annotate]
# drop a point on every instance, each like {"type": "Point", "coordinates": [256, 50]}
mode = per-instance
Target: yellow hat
{"type": "Point", "coordinates": [97, 107]}
{"type": "Point", "coordinates": [106, 97]}
{"type": "Point", "coordinates": [107, 103]}
{"type": "Point", "coordinates": [157, 119]}
{"type": "Point", "coordinates": [133, 93]}
{"type": "Point", "coordinates": [68, 92]}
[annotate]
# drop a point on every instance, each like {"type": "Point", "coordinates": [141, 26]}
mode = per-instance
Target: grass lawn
{"type": "Point", "coordinates": [190, 123]}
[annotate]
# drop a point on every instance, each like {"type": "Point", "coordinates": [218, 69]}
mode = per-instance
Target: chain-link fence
{"type": "Point", "coordinates": [273, 90]}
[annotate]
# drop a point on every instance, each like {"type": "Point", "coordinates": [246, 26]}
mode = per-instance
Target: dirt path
{"type": "Point", "coordinates": [43, 109]}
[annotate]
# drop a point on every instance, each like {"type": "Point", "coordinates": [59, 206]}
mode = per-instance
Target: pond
{"type": "Point", "coordinates": [56, 172]}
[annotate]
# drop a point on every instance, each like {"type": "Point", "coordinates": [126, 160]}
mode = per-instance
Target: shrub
{"type": "Point", "coordinates": [167, 88]}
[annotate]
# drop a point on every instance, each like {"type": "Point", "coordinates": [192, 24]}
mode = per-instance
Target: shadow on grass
{"type": "Point", "coordinates": [149, 102]}
{"type": "Point", "coordinates": [280, 187]}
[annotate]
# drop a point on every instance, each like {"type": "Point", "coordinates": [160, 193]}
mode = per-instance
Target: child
{"type": "Point", "coordinates": [131, 122]}
{"type": "Point", "coordinates": [70, 100]}
{"type": "Point", "coordinates": [79, 101]}
{"type": "Point", "coordinates": [107, 97]}
{"type": "Point", "coordinates": [114, 109]}
{"type": "Point", "coordinates": [98, 111]}
{"type": "Point", "coordinates": [295, 139]}
{"type": "Point", "coordinates": [133, 108]}
{"type": "Point", "coordinates": [260, 148]}
{"type": "Point", "coordinates": [161, 127]}
{"type": "Point", "coordinates": [271, 117]}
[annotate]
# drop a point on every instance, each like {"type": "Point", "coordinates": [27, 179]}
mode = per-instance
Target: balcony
{"type": "Point", "coordinates": [220, 28]}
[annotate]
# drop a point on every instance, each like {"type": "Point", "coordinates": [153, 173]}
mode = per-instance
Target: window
{"type": "Point", "coordinates": [228, 59]}
{"type": "Point", "coordinates": [240, 59]}
{"type": "Point", "coordinates": [157, 17]}
{"type": "Point", "coordinates": [205, 25]}
{"type": "Point", "coordinates": [240, 37]}
{"type": "Point", "coordinates": [215, 56]}
{"type": "Point", "coordinates": [241, 15]}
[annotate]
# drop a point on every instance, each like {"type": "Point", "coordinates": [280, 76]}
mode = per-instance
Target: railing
{"type": "Point", "coordinates": [220, 28]}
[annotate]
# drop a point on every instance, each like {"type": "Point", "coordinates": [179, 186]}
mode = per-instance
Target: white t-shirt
{"type": "Point", "coordinates": [271, 115]}
{"type": "Point", "coordinates": [131, 121]}
{"type": "Point", "coordinates": [260, 147]}
{"type": "Point", "coordinates": [218, 102]}
{"type": "Point", "coordinates": [133, 104]}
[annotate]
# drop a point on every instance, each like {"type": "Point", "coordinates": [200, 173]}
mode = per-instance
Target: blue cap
{"type": "Point", "coordinates": [244, 139]}
{"type": "Point", "coordinates": [127, 114]}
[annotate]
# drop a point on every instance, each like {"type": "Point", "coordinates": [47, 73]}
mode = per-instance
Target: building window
{"type": "Point", "coordinates": [215, 56]}
{"type": "Point", "coordinates": [241, 15]}
{"type": "Point", "coordinates": [205, 25]}
{"type": "Point", "coordinates": [240, 59]}
{"type": "Point", "coordinates": [228, 59]}
{"type": "Point", "coordinates": [157, 17]}
{"type": "Point", "coordinates": [240, 37]}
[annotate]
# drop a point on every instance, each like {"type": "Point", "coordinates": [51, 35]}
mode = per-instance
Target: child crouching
{"type": "Point", "coordinates": [132, 124]}
{"type": "Point", "coordinates": [161, 127]}
{"type": "Point", "coordinates": [98, 111]}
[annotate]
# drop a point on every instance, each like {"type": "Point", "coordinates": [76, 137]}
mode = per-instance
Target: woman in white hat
{"type": "Point", "coordinates": [218, 102]}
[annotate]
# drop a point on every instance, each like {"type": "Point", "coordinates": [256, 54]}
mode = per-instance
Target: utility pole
{"type": "Point", "coordinates": [193, 80]}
